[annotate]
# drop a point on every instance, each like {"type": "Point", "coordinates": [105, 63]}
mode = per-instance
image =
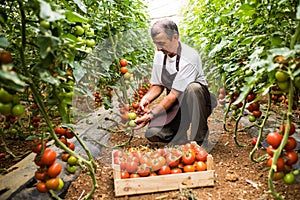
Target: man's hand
{"type": "Point", "coordinates": [143, 121]}
{"type": "Point", "coordinates": [143, 103]}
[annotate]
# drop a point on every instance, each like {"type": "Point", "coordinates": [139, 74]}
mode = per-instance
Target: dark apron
{"type": "Point", "coordinates": [167, 80]}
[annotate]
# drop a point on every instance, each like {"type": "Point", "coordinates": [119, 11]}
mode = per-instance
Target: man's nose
{"type": "Point", "coordinates": [159, 48]}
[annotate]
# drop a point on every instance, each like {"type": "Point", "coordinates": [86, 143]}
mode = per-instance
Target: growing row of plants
{"type": "Point", "coordinates": [252, 48]}
{"type": "Point", "coordinates": [54, 56]}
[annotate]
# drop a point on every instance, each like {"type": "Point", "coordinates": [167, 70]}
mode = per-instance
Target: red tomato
{"type": "Point", "coordinates": [201, 154]}
{"type": "Point", "coordinates": [134, 175]}
{"type": "Point", "coordinates": [124, 174]}
{"type": "Point", "coordinates": [143, 170]}
{"type": "Point", "coordinates": [274, 139]}
{"type": "Point", "coordinates": [123, 70]}
{"type": "Point", "coordinates": [172, 160]}
{"type": "Point", "coordinates": [60, 131]}
{"type": "Point", "coordinates": [65, 156]}
{"type": "Point", "coordinates": [292, 129]}
{"type": "Point", "coordinates": [164, 170]}
{"type": "Point", "coordinates": [52, 183]}
{"type": "Point", "coordinates": [200, 166]}
{"type": "Point", "coordinates": [37, 146]}
{"type": "Point", "coordinates": [292, 157]}
{"type": "Point", "coordinates": [291, 144]}
{"type": "Point", "coordinates": [48, 157]}
{"type": "Point", "coordinates": [41, 187]}
{"type": "Point", "coordinates": [279, 164]}
{"type": "Point", "coordinates": [54, 170]}
{"type": "Point", "coordinates": [131, 166]}
{"type": "Point", "coordinates": [40, 175]}
{"type": "Point", "coordinates": [152, 174]}
{"type": "Point", "coordinates": [189, 168]}
{"type": "Point", "coordinates": [145, 160]}
{"type": "Point", "coordinates": [176, 171]}
{"type": "Point", "coordinates": [71, 145]}
{"type": "Point", "coordinates": [135, 105]}
{"type": "Point", "coordinates": [123, 62]}
{"type": "Point", "coordinates": [63, 140]}
{"type": "Point", "coordinates": [69, 134]}
{"type": "Point", "coordinates": [188, 157]}
{"type": "Point", "coordinates": [254, 141]}
{"type": "Point", "coordinates": [37, 160]}
{"type": "Point", "coordinates": [157, 163]}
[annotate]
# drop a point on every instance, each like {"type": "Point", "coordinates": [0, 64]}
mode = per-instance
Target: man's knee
{"type": "Point", "coordinates": [193, 87]}
{"type": "Point", "coordinates": [158, 134]}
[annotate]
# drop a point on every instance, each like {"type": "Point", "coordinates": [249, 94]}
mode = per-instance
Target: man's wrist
{"type": "Point", "coordinates": [152, 114]}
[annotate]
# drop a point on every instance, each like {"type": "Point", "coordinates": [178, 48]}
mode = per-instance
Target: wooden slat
{"type": "Point", "coordinates": [163, 182]}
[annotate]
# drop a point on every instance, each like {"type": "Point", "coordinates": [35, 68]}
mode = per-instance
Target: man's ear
{"type": "Point", "coordinates": [176, 36]}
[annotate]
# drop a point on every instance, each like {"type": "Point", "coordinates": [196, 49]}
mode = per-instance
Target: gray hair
{"type": "Point", "coordinates": [165, 25]}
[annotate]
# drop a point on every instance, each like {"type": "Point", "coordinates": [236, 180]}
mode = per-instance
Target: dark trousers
{"type": "Point", "coordinates": [194, 110]}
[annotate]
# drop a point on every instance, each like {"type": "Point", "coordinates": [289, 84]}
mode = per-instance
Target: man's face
{"type": "Point", "coordinates": [164, 44]}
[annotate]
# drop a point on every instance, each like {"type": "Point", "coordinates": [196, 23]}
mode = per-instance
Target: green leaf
{"type": "Point", "coordinates": [218, 47]}
{"type": "Point", "coordinates": [47, 13]}
{"type": "Point", "coordinates": [47, 44]}
{"type": "Point", "coordinates": [75, 17]}
{"type": "Point", "coordinates": [298, 12]}
{"type": "Point", "coordinates": [81, 5]}
{"type": "Point", "coordinates": [12, 79]}
{"type": "Point", "coordinates": [47, 77]}
{"type": "Point", "coordinates": [4, 43]}
{"type": "Point", "coordinates": [79, 72]}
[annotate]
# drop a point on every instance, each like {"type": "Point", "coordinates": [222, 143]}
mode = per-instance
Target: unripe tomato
{"type": "Point", "coordinates": [72, 160]}
{"type": "Point", "coordinates": [60, 185]}
{"type": "Point", "coordinates": [289, 178]}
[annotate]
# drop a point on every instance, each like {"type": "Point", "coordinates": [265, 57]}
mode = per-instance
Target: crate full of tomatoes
{"type": "Point", "coordinates": [145, 170]}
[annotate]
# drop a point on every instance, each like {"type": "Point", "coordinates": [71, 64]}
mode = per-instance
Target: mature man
{"type": "Point", "coordinates": [178, 69]}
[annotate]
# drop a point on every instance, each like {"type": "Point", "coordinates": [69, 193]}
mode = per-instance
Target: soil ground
{"type": "Point", "coordinates": [236, 176]}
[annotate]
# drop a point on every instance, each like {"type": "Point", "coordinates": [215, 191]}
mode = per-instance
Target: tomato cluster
{"type": "Point", "coordinates": [104, 92]}
{"type": "Point", "coordinates": [170, 160]}
{"type": "Point", "coordinates": [130, 111]}
{"type": "Point", "coordinates": [287, 158]}
{"type": "Point", "coordinates": [221, 96]}
{"type": "Point", "coordinates": [10, 104]}
{"type": "Point", "coordinates": [64, 134]}
{"type": "Point", "coordinates": [49, 170]}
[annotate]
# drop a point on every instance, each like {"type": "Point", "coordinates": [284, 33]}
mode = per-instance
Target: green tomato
{"type": "Point", "coordinates": [249, 72]}
{"type": "Point", "coordinates": [45, 24]}
{"type": "Point", "coordinates": [283, 85]}
{"type": "Point", "coordinates": [132, 123]}
{"type": "Point", "coordinates": [90, 42]}
{"type": "Point", "coordinates": [18, 110]}
{"type": "Point", "coordinates": [289, 178]}
{"type": "Point", "coordinates": [297, 82]}
{"type": "Point", "coordinates": [252, 118]}
{"type": "Point", "coordinates": [5, 96]}
{"type": "Point", "coordinates": [5, 109]}
{"type": "Point", "coordinates": [71, 169]}
{"type": "Point", "coordinates": [296, 172]}
{"type": "Point", "coordinates": [90, 32]}
{"type": "Point", "coordinates": [72, 160]}
{"type": "Point", "coordinates": [78, 30]}
{"type": "Point", "coordinates": [60, 185]}
{"type": "Point", "coordinates": [281, 76]}
{"type": "Point", "coordinates": [132, 115]}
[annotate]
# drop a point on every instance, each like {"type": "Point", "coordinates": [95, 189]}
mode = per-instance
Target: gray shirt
{"type": "Point", "coordinates": [190, 68]}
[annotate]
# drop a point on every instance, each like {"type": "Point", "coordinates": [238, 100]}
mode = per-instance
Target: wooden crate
{"type": "Point", "coordinates": [161, 183]}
